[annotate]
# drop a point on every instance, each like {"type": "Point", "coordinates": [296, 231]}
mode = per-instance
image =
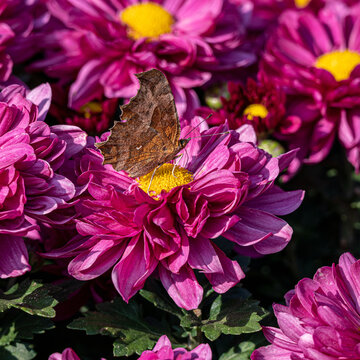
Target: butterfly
{"type": "Point", "coordinates": [148, 133]}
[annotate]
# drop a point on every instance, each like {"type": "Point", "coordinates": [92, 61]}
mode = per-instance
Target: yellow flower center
{"type": "Point", "coordinates": [146, 20]}
{"type": "Point", "coordinates": [302, 3]}
{"type": "Point", "coordinates": [255, 110]}
{"type": "Point", "coordinates": [91, 108]}
{"type": "Point", "coordinates": [339, 63]}
{"type": "Point", "coordinates": [164, 179]}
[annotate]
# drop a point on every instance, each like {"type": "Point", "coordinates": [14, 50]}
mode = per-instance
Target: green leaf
{"type": "Point", "coordinates": [23, 325]}
{"type": "Point", "coordinates": [15, 326]}
{"type": "Point", "coordinates": [132, 341]}
{"type": "Point", "coordinates": [239, 352]}
{"type": "Point", "coordinates": [17, 352]}
{"type": "Point", "coordinates": [31, 297]}
{"type": "Point", "coordinates": [7, 335]}
{"type": "Point", "coordinates": [125, 323]}
{"type": "Point", "coordinates": [161, 303]}
{"type": "Point", "coordinates": [233, 316]}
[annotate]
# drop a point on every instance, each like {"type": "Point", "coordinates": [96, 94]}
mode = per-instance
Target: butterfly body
{"type": "Point", "coordinates": [148, 134]}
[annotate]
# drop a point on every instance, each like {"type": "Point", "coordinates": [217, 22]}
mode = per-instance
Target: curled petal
{"type": "Point", "coordinates": [135, 266]}
{"type": "Point", "coordinates": [182, 287]}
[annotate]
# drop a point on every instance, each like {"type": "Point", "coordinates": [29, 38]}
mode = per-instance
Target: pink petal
{"type": "Point", "coordinates": [182, 287]}
{"type": "Point", "coordinates": [14, 257]}
{"type": "Point", "coordinates": [135, 266]}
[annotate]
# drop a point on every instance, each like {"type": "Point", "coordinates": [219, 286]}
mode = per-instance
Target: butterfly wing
{"type": "Point", "coordinates": [149, 131]}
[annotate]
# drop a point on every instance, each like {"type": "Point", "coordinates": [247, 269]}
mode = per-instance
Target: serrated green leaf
{"type": "Point", "coordinates": [31, 297]}
{"type": "Point", "coordinates": [233, 318]}
{"type": "Point", "coordinates": [27, 325]}
{"type": "Point", "coordinates": [132, 341]}
{"type": "Point", "coordinates": [17, 352]}
{"type": "Point", "coordinates": [123, 322]}
{"type": "Point", "coordinates": [239, 352]}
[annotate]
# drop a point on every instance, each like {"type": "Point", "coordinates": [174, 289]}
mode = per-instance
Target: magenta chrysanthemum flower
{"type": "Point", "coordinates": [316, 59]}
{"type": "Point", "coordinates": [259, 104]}
{"type": "Point", "coordinates": [104, 43]}
{"type": "Point", "coordinates": [163, 351]}
{"type": "Point", "coordinates": [67, 354]}
{"type": "Point", "coordinates": [321, 320]}
{"type": "Point", "coordinates": [31, 191]}
{"type": "Point", "coordinates": [19, 21]}
{"type": "Point", "coordinates": [222, 185]}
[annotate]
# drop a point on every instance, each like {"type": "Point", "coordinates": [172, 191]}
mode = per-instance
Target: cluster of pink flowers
{"type": "Point", "coordinates": [31, 188]}
{"type": "Point", "coordinates": [308, 78]}
{"type": "Point", "coordinates": [283, 70]}
{"type": "Point", "coordinates": [99, 47]}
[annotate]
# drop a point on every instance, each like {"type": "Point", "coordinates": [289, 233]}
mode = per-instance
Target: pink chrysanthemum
{"type": "Point", "coordinates": [104, 43]}
{"type": "Point", "coordinates": [67, 354]}
{"type": "Point", "coordinates": [163, 351]}
{"type": "Point", "coordinates": [19, 21]}
{"type": "Point", "coordinates": [31, 191]}
{"type": "Point", "coordinates": [259, 104]}
{"type": "Point", "coordinates": [321, 320]}
{"type": "Point", "coordinates": [316, 59]}
{"type": "Point", "coordinates": [223, 185]}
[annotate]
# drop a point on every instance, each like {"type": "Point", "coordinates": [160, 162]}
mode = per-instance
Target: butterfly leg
{"type": "Point", "coordinates": [152, 177]}
{"type": "Point", "coordinates": [178, 157]}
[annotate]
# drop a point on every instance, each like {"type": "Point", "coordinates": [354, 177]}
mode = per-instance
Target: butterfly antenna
{"type": "Point", "coordinates": [198, 137]}
{"type": "Point", "coordinates": [207, 118]}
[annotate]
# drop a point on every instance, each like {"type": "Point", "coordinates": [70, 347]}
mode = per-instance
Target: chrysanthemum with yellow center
{"type": "Point", "coordinates": [302, 3]}
{"type": "Point", "coordinates": [254, 110]}
{"type": "Point", "coordinates": [164, 179]}
{"type": "Point", "coordinates": [146, 20]}
{"type": "Point", "coordinates": [339, 63]}
{"type": "Point", "coordinates": [91, 108]}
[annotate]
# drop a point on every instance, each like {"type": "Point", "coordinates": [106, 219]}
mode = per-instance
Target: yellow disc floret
{"type": "Point", "coordinates": [339, 63]}
{"type": "Point", "coordinates": [91, 108]}
{"type": "Point", "coordinates": [301, 3]}
{"type": "Point", "coordinates": [255, 110]}
{"type": "Point", "coordinates": [146, 20]}
{"type": "Point", "coordinates": [164, 179]}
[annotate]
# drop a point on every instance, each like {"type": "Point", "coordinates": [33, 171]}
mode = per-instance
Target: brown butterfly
{"type": "Point", "coordinates": [148, 134]}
